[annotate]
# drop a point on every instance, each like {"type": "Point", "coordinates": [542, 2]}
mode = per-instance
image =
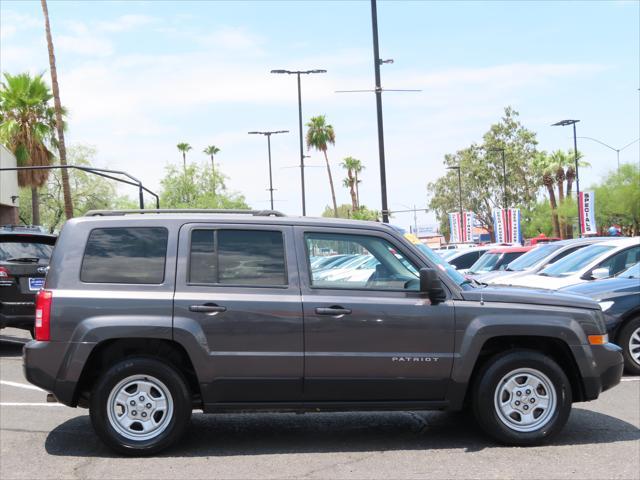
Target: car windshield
{"type": "Point", "coordinates": [631, 272]}
{"type": "Point", "coordinates": [533, 257]}
{"type": "Point", "coordinates": [442, 264]}
{"type": "Point", "coordinates": [576, 261]}
{"type": "Point", "coordinates": [485, 263]}
{"type": "Point", "coordinates": [23, 249]}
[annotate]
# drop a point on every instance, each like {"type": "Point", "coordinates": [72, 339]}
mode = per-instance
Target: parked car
{"type": "Point", "coordinates": [619, 298]}
{"type": "Point", "coordinates": [601, 260]}
{"type": "Point", "coordinates": [542, 255]}
{"type": "Point", "coordinates": [462, 259]}
{"type": "Point", "coordinates": [145, 317]}
{"type": "Point", "coordinates": [24, 256]}
{"type": "Point", "coordinates": [496, 259]}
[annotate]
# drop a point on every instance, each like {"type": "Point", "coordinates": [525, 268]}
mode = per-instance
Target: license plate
{"type": "Point", "coordinates": [36, 284]}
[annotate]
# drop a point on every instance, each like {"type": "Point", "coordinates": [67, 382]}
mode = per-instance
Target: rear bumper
{"type": "Point", "coordinates": [17, 318]}
{"type": "Point", "coordinates": [606, 364]}
{"type": "Point", "coordinates": [56, 367]}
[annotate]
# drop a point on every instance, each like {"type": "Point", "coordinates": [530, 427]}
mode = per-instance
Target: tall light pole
{"type": "Point", "coordinates": [298, 73]}
{"type": "Point", "coordinates": [268, 135]}
{"type": "Point", "coordinates": [504, 176]}
{"type": "Point", "coordinates": [617, 150]}
{"type": "Point", "coordinates": [564, 123]}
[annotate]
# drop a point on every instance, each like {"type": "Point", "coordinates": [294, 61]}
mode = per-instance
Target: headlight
{"type": "Point", "coordinates": [605, 305]}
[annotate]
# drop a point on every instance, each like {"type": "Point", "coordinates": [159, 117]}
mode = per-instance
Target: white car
{"type": "Point", "coordinates": [600, 260]}
{"type": "Point", "coordinates": [462, 258]}
{"type": "Point", "coordinates": [537, 259]}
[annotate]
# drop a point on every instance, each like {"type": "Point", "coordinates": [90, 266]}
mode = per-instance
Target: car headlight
{"type": "Point", "coordinates": [605, 305]}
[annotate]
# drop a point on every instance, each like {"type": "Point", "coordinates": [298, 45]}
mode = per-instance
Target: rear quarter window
{"type": "Point", "coordinates": [133, 255]}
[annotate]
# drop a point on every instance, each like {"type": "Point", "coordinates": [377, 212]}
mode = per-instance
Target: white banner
{"type": "Point", "coordinates": [587, 213]}
{"type": "Point", "coordinates": [455, 228]}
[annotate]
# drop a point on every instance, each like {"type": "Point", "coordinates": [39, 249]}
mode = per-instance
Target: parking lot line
{"type": "Point", "coordinates": [630, 379]}
{"type": "Point", "coordinates": [20, 385]}
{"type": "Point", "coordinates": [30, 404]}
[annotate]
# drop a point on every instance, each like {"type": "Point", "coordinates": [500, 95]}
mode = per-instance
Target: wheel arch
{"type": "Point", "coordinates": [110, 350]}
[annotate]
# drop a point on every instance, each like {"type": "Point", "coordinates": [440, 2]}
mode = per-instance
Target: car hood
{"type": "Point", "coordinates": [535, 280]}
{"type": "Point", "coordinates": [529, 296]}
{"type": "Point", "coordinates": [501, 276]}
{"type": "Point", "coordinates": [605, 288]}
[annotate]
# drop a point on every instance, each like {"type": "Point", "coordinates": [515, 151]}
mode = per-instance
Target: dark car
{"type": "Point", "coordinates": [496, 259]}
{"type": "Point", "coordinates": [24, 257]}
{"type": "Point", "coordinates": [619, 298]}
{"type": "Point", "coordinates": [148, 315]}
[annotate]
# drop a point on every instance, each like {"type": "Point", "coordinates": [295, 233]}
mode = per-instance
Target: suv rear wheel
{"type": "Point", "coordinates": [140, 406]}
{"type": "Point", "coordinates": [522, 398]}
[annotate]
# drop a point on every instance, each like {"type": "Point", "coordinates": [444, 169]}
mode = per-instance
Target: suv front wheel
{"type": "Point", "coordinates": [140, 406]}
{"type": "Point", "coordinates": [522, 398]}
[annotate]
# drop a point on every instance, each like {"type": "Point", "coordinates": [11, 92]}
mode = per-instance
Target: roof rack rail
{"type": "Point", "coordinates": [255, 213]}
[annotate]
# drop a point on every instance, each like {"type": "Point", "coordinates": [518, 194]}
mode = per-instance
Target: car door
{"type": "Point", "coordinates": [618, 262]}
{"type": "Point", "coordinates": [371, 338]}
{"type": "Point", "coordinates": [239, 285]}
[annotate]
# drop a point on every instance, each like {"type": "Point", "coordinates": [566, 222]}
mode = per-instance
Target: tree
{"type": "Point", "coordinates": [190, 189]}
{"type": "Point", "coordinates": [89, 192]}
{"type": "Point", "coordinates": [27, 128]}
{"type": "Point", "coordinates": [62, 150]}
{"type": "Point", "coordinates": [482, 178]}
{"type": "Point", "coordinates": [353, 166]}
{"type": "Point", "coordinates": [212, 150]}
{"type": "Point", "coordinates": [617, 199]}
{"type": "Point", "coordinates": [345, 211]}
{"type": "Point", "coordinates": [184, 148]}
{"type": "Point", "coordinates": [319, 136]}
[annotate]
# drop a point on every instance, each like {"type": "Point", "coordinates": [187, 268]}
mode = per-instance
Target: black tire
{"type": "Point", "coordinates": [176, 387]}
{"type": "Point", "coordinates": [630, 364]}
{"type": "Point", "coordinates": [484, 394]}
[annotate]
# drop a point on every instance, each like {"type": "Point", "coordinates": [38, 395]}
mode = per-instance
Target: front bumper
{"type": "Point", "coordinates": [604, 369]}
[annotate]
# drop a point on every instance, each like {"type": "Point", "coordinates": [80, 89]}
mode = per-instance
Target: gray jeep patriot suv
{"type": "Point", "coordinates": [145, 317]}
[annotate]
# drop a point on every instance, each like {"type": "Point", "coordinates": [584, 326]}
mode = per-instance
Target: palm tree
{"type": "Point", "coordinates": [352, 166]}
{"type": "Point", "coordinates": [547, 181]}
{"type": "Point", "coordinates": [319, 136]}
{"type": "Point", "coordinates": [184, 148]}
{"type": "Point", "coordinates": [27, 124]}
{"type": "Point", "coordinates": [62, 149]}
{"type": "Point", "coordinates": [212, 150]}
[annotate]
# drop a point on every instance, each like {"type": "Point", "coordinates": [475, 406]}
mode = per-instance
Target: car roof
{"type": "Point", "coordinates": [574, 241]}
{"type": "Point", "coordinates": [510, 249]}
{"type": "Point", "coordinates": [621, 242]}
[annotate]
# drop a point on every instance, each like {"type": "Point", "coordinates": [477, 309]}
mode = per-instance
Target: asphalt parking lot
{"type": "Point", "coordinates": [39, 440]}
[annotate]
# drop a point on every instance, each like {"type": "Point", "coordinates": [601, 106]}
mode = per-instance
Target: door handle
{"type": "Point", "coordinates": [333, 311]}
{"type": "Point", "coordinates": [209, 309]}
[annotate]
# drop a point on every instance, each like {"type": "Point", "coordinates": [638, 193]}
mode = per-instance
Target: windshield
{"type": "Point", "coordinates": [631, 272]}
{"type": "Point", "coordinates": [533, 257]}
{"type": "Point", "coordinates": [12, 249]}
{"type": "Point", "coordinates": [441, 263]}
{"type": "Point", "coordinates": [576, 261]}
{"type": "Point", "coordinates": [485, 263]}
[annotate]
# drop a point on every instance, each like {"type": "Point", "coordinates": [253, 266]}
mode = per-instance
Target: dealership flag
{"type": "Point", "coordinates": [455, 227]}
{"type": "Point", "coordinates": [467, 226]}
{"type": "Point", "coordinates": [587, 213]}
{"type": "Point", "coordinates": [506, 225]}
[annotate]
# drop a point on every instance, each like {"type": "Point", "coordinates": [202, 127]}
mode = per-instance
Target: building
{"type": "Point", "coordinates": [8, 188]}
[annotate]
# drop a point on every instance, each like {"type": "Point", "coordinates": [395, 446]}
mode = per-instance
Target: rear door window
{"type": "Point", "coordinates": [237, 257]}
{"type": "Point", "coordinates": [17, 249]}
{"type": "Point", "coordinates": [133, 255]}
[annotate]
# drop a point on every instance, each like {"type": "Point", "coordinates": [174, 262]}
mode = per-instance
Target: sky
{"type": "Point", "coordinates": [140, 77]}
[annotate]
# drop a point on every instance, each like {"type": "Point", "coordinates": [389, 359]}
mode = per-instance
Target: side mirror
{"type": "Point", "coordinates": [600, 273]}
{"type": "Point", "coordinates": [431, 285]}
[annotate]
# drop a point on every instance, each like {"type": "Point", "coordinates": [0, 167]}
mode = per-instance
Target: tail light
{"type": "Point", "coordinates": [43, 315]}
{"type": "Point", "coordinates": [6, 280]}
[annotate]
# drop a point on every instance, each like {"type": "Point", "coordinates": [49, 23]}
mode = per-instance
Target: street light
{"type": "Point", "coordinates": [564, 123]}
{"type": "Point", "coordinates": [617, 150]}
{"type": "Point", "coordinates": [298, 73]}
{"type": "Point", "coordinates": [504, 176]}
{"type": "Point", "coordinates": [268, 135]}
